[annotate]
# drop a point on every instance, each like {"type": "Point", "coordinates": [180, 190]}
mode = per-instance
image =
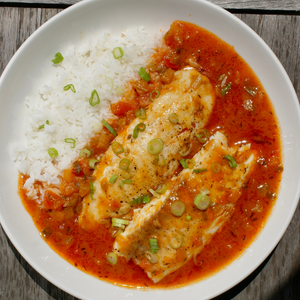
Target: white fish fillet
{"type": "Point", "coordinates": [155, 219]}
{"type": "Point", "coordinates": [193, 106]}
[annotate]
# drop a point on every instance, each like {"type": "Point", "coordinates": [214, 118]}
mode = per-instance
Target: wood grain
{"type": "Point", "coordinates": [277, 278]}
{"type": "Point", "coordinates": [272, 5]}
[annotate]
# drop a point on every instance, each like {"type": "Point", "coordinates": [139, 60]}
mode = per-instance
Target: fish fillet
{"type": "Point", "coordinates": [191, 96]}
{"type": "Point", "coordinates": [155, 219]}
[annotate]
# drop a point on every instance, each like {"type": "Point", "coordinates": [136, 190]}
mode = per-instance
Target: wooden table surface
{"type": "Point", "coordinates": [278, 23]}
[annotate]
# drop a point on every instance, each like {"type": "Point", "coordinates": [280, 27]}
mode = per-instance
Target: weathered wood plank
{"type": "Point", "coordinates": [273, 5]}
{"type": "Point", "coordinates": [279, 276]}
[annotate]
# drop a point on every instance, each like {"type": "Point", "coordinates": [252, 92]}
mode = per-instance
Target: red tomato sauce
{"type": "Point", "coordinates": [243, 112]}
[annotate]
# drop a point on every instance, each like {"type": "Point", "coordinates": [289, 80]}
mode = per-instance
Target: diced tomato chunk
{"type": "Point", "coordinates": [52, 200]}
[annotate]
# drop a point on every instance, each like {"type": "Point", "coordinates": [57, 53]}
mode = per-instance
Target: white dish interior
{"type": "Point", "coordinates": [21, 76]}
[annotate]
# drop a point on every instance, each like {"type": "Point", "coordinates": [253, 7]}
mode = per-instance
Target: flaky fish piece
{"type": "Point", "coordinates": [191, 97]}
{"type": "Point", "coordinates": [222, 171]}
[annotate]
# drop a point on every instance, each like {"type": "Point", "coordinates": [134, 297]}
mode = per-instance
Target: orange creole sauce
{"type": "Point", "coordinates": [242, 117]}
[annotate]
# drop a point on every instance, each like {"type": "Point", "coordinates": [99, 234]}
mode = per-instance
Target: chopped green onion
{"type": "Point", "coordinates": [152, 257]}
{"type": "Point", "coordinates": [53, 152]}
{"type": "Point", "coordinates": [120, 91]}
{"type": "Point", "coordinates": [112, 258]}
{"type": "Point", "coordinates": [121, 184]}
{"type": "Point", "coordinates": [92, 163]}
{"type": "Point", "coordinates": [97, 128]}
{"type": "Point", "coordinates": [190, 163]}
{"type": "Point", "coordinates": [231, 161]}
{"type": "Point", "coordinates": [173, 118]}
{"type": "Point", "coordinates": [251, 90]}
{"type": "Point", "coordinates": [141, 114]}
{"type": "Point", "coordinates": [162, 188]}
{"type": "Point", "coordinates": [187, 152]}
{"type": "Point", "coordinates": [110, 82]}
{"type": "Point", "coordinates": [202, 201]}
{"type": "Point", "coordinates": [203, 135]}
{"type": "Point", "coordinates": [42, 126]}
{"type": "Point", "coordinates": [109, 128]}
{"type": "Point", "coordinates": [144, 75]}
{"type": "Point", "coordinates": [117, 148]}
{"type": "Point", "coordinates": [113, 178]}
{"type": "Point", "coordinates": [138, 127]}
{"type": "Point", "coordinates": [118, 52]}
{"type": "Point", "coordinates": [92, 190]}
{"type": "Point", "coordinates": [188, 217]}
{"type": "Point", "coordinates": [226, 89]}
{"type": "Point", "coordinates": [94, 99]}
{"type": "Point", "coordinates": [153, 245]}
{"type": "Point", "coordinates": [184, 163]}
{"type": "Point", "coordinates": [216, 167]}
{"type": "Point", "coordinates": [85, 153]}
{"type": "Point", "coordinates": [154, 193]}
{"type": "Point", "coordinates": [140, 200]}
{"type": "Point", "coordinates": [128, 181]}
{"type": "Point", "coordinates": [176, 240]}
{"type": "Point", "coordinates": [159, 162]}
{"type": "Point", "coordinates": [58, 58]}
{"type": "Point", "coordinates": [119, 222]}
{"type": "Point", "coordinates": [199, 170]}
{"type": "Point", "coordinates": [221, 77]}
{"type": "Point", "coordinates": [70, 141]}
{"type": "Point", "coordinates": [69, 87]}
{"type": "Point", "coordinates": [115, 231]}
{"type": "Point", "coordinates": [204, 191]}
{"type": "Point", "coordinates": [178, 208]}
{"type": "Point", "coordinates": [124, 163]}
{"type": "Point", "coordinates": [155, 146]}
{"type": "Point", "coordinates": [126, 174]}
{"type": "Point", "coordinates": [157, 93]}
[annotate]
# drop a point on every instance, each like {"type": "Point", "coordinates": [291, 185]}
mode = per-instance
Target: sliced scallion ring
{"type": "Point", "coordinates": [109, 81]}
{"type": "Point", "coordinates": [52, 152]}
{"type": "Point", "coordinates": [124, 164]}
{"type": "Point", "coordinates": [162, 188]}
{"type": "Point", "coordinates": [70, 141]}
{"type": "Point", "coordinates": [58, 58]}
{"type": "Point", "coordinates": [231, 161]}
{"type": "Point", "coordinates": [92, 190]}
{"type": "Point", "coordinates": [153, 245]}
{"type": "Point", "coordinates": [118, 52]}
{"type": "Point", "coordinates": [204, 191]}
{"type": "Point", "coordinates": [188, 217]}
{"type": "Point", "coordinates": [117, 148]}
{"type": "Point", "coordinates": [85, 153]}
{"type": "Point", "coordinates": [176, 240]}
{"type": "Point", "coordinates": [126, 174]}
{"type": "Point", "coordinates": [173, 118]}
{"type": "Point", "coordinates": [184, 163]}
{"type": "Point", "coordinates": [92, 163]}
{"type": "Point", "coordinates": [199, 170]}
{"type": "Point", "coordinates": [138, 127]}
{"type": "Point", "coordinates": [202, 201]}
{"type": "Point", "coordinates": [178, 208]}
{"type": "Point", "coordinates": [112, 258]}
{"type": "Point", "coordinates": [120, 91]}
{"type": "Point", "coordinates": [154, 193]}
{"type": "Point", "coordinates": [141, 114]}
{"type": "Point", "coordinates": [140, 200]}
{"type": "Point", "coordinates": [203, 135]}
{"type": "Point", "coordinates": [190, 163]}
{"type": "Point", "coordinates": [144, 75]}
{"type": "Point", "coordinates": [152, 257]}
{"type": "Point", "coordinates": [94, 99]}
{"type": "Point", "coordinates": [109, 128]}
{"type": "Point", "coordinates": [119, 222]}
{"type": "Point", "coordinates": [69, 87]}
{"type": "Point", "coordinates": [159, 161]}
{"type": "Point", "coordinates": [97, 128]}
{"type": "Point", "coordinates": [216, 167]}
{"type": "Point", "coordinates": [155, 146]}
{"type": "Point", "coordinates": [128, 181]}
{"type": "Point", "coordinates": [157, 93]}
{"type": "Point", "coordinates": [113, 178]}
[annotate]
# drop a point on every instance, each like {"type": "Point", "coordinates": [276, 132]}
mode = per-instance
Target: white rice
{"type": "Point", "coordinates": [85, 65]}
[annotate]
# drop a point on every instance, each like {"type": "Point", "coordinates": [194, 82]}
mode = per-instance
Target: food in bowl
{"type": "Point", "coordinates": [179, 176]}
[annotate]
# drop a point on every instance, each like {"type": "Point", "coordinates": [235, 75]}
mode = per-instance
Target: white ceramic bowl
{"type": "Point", "coordinates": [29, 64]}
